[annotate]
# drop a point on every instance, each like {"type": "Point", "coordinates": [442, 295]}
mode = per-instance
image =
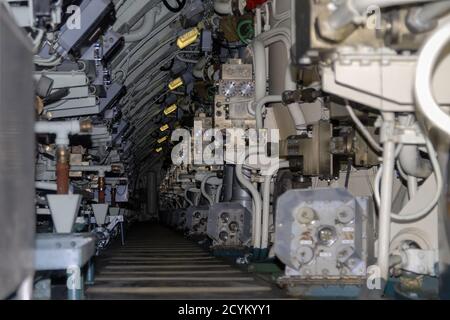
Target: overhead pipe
{"type": "Point", "coordinates": [226, 7]}
{"type": "Point", "coordinates": [101, 177]}
{"type": "Point", "coordinates": [351, 9]}
{"type": "Point", "coordinates": [423, 87]}
{"type": "Point", "coordinates": [424, 18]}
{"type": "Point", "coordinates": [50, 186]}
{"type": "Point", "coordinates": [145, 29]}
{"type": "Point", "coordinates": [266, 39]}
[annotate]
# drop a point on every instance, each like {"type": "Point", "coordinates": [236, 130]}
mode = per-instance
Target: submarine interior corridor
{"type": "Point", "coordinates": [224, 149]}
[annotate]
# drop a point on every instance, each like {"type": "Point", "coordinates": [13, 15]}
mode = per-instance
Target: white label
{"type": "Point", "coordinates": [306, 242]}
{"type": "Point", "coordinates": [325, 254]}
{"type": "Point", "coordinates": [348, 229]}
{"type": "Point", "coordinates": [348, 241]}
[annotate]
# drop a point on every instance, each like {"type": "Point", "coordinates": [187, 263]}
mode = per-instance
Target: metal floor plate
{"type": "Point", "coordinates": [158, 263]}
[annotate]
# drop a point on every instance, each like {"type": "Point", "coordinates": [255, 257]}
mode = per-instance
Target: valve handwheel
{"type": "Point", "coordinates": [181, 4]}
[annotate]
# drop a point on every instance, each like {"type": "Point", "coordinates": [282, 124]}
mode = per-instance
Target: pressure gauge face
{"type": "Point", "coordinates": [229, 89]}
{"type": "Point", "coordinates": [247, 89]}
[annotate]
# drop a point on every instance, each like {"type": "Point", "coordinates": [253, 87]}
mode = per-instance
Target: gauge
{"type": "Point", "coordinates": [247, 89]}
{"type": "Point", "coordinates": [304, 254]}
{"type": "Point", "coordinates": [229, 89]}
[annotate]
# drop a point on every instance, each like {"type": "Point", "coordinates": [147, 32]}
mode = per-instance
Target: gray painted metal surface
{"type": "Point", "coordinates": [17, 211]}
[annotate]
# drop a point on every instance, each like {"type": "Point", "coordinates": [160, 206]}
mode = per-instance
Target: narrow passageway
{"type": "Point", "coordinates": [158, 263]}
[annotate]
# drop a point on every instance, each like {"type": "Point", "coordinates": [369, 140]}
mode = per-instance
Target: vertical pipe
{"type": "Point", "coordinates": [386, 196]}
{"type": "Point", "coordinates": [62, 169]}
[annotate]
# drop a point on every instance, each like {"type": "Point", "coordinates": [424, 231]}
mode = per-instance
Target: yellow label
{"type": "Point", "coordinates": [159, 149]}
{"type": "Point", "coordinates": [178, 82]}
{"type": "Point", "coordinates": [164, 128]}
{"type": "Point", "coordinates": [162, 139]}
{"type": "Point", "coordinates": [188, 38]}
{"type": "Point", "coordinates": [170, 109]}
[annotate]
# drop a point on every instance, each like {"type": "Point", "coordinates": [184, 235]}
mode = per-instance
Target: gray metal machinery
{"type": "Point", "coordinates": [152, 111]}
{"type": "Point", "coordinates": [196, 220]}
{"type": "Point", "coordinates": [229, 225]}
{"type": "Point", "coordinates": [324, 237]}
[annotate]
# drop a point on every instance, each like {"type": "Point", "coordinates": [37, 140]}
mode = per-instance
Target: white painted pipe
{"type": "Point", "coordinates": [413, 164]}
{"type": "Point", "coordinates": [62, 129]}
{"type": "Point", "coordinates": [267, 39]}
{"type": "Point", "coordinates": [277, 15]}
{"type": "Point", "coordinates": [429, 57]}
{"type": "Point", "coordinates": [187, 198]}
{"type": "Point", "coordinates": [259, 65]}
{"type": "Point", "coordinates": [225, 7]}
{"type": "Point", "coordinates": [351, 9]}
{"type": "Point", "coordinates": [387, 179]}
{"type": "Point", "coordinates": [147, 27]}
{"type": "Point", "coordinates": [50, 186]}
{"type": "Point", "coordinates": [425, 18]}
{"type": "Point", "coordinates": [412, 186]}
{"type": "Point", "coordinates": [259, 107]}
{"type": "Point", "coordinates": [266, 203]}
{"type": "Point", "coordinates": [294, 108]}
{"type": "Point", "coordinates": [100, 169]}
{"type": "Point", "coordinates": [203, 187]}
{"type": "Point", "coordinates": [258, 22]}
{"type": "Point", "coordinates": [256, 221]}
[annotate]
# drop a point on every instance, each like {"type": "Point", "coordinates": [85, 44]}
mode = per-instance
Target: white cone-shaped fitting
{"type": "Point", "coordinates": [64, 209]}
{"type": "Point", "coordinates": [114, 211]}
{"type": "Point", "coordinates": [100, 212]}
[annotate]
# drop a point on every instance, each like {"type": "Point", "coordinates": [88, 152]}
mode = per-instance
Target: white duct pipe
{"type": "Point", "coordinates": [50, 186]}
{"type": "Point", "coordinates": [266, 204]}
{"type": "Point", "coordinates": [256, 226]}
{"type": "Point", "coordinates": [423, 87]}
{"type": "Point", "coordinates": [100, 169]}
{"type": "Point", "coordinates": [259, 107]}
{"type": "Point", "coordinates": [62, 129]}
{"type": "Point", "coordinates": [225, 7]}
{"type": "Point", "coordinates": [203, 187]}
{"type": "Point", "coordinates": [258, 22]}
{"type": "Point", "coordinates": [147, 27]}
{"type": "Point", "coordinates": [413, 164]}
{"type": "Point", "coordinates": [351, 9]}
{"type": "Point", "coordinates": [187, 198]}
{"type": "Point", "coordinates": [259, 65]}
{"type": "Point", "coordinates": [412, 186]}
{"type": "Point", "coordinates": [387, 180]}
{"type": "Point", "coordinates": [425, 18]}
{"type": "Point", "coordinates": [267, 39]}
